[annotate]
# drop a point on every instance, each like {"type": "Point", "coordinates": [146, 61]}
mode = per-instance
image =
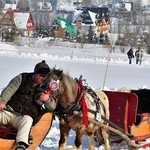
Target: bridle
{"type": "Point", "coordinates": [76, 106]}
{"type": "Point", "coordinates": [50, 86]}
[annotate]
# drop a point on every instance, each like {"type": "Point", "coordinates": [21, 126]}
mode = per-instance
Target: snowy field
{"type": "Point", "coordinates": [101, 69]}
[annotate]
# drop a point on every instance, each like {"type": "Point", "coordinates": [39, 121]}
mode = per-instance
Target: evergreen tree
{"type": "Point", "coordinates": [90, 34]}
{"type": "Point", "coordinates": [8, 34]}
{"type": "Point", "coordinates": [78, 36]}
{"type": "Point", "coordinates": [106, 39]}
{"type": "Point", "coordinates": [101, 38]}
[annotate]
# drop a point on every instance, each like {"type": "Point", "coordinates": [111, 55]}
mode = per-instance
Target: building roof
{"type": "Point", "coordinates": [90, 16]}
{"type": "Point", "coordinates": [12, 6]}
{"type": "Point", "coordinates": [124, 6]}
{"type": "Point", "coordinates": [21, 19]}
{"type": "Point", "coordinates": [44, 6]}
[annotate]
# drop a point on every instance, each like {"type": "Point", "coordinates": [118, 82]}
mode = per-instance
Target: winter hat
{"type": "Point", "coordinates": [42, 68]}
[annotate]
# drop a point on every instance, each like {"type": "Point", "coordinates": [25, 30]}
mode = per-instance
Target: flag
{"type": "Point", "coordinates": [65, 23]}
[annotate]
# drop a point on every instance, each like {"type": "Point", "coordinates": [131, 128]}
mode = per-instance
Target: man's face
{"type": "Point", "coordinates": [40, 78]}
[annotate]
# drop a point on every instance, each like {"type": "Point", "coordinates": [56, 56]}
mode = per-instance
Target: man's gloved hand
{"type": "Point", "coordinates": [2, 104]}
{"type": "Point", "coordinates": [44, 96]}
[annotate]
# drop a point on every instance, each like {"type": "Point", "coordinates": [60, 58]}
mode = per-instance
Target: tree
{"type": "Point", "coordinates": [78, 37]}
{"type": "Point", "coordinates": [86, 3]}
{"type": "Point", "coordinates": [23, 5]}
{"type": "Point", "coordinates": [90, 34]}
{"type": "Point", "coordinates": [8, 34]}
{"type": "Point", "coordinates": [106, 39]}
{"type": "Point", "coordinates": [1, 5]}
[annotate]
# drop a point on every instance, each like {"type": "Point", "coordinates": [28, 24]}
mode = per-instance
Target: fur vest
{"type": "Point", "coordinates": [23, 101]}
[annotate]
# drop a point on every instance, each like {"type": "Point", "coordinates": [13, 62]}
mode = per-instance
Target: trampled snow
{"type": "Point", "coordinates": [100, 68]}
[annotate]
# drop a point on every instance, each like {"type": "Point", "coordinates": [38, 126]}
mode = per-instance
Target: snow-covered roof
{"type": "Point", "coordinates": [128, 6]}
{"type": "Point", "coordinates": [93, 17]}
{"type": "Point", "coordinates": [45, 5]}
{"type": "Point", "coordinates": [70, 8]}
{"type": "Point", "coordinates": [89, 16]}
{"type": "Point", "coordinates": [12, 6]}
{"type": "Point", "coordinates": [21, 19]}
{"type": "Point", "coordinates": [77, 13]}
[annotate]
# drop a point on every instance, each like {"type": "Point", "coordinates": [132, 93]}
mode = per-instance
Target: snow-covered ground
{"type": "Point", "coordinates": [101, 69]}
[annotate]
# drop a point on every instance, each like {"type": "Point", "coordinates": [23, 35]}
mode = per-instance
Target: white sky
{"type": "Point", "coordinates": [90, 62]}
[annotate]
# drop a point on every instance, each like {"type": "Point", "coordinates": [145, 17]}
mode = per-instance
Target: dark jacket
{"type": "Point", "coordinates": [130, 53]}
{"type": "Point", "coordinates": [23, 101]}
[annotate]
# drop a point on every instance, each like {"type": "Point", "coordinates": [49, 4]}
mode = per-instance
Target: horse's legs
{"type": "Point", "coordinates": [91, 142]}
{"type": "Point", "coordinates": [99, 137]}
{"type": "Point", "coordinates": [64, 131]}
{"type": "Point", "coordinates": [106, 139]}
{"type": "Point", "coordinates": [78, 139]}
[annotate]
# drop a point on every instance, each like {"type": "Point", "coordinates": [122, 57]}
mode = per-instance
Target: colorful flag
{"type": "Point", "coordinates": [66, 23]}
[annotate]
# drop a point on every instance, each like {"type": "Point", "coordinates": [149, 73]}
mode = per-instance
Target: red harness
{"type": "Point", "coordinates": [80, 100]}
{"type": "Point", "coordinates": [83, 103]}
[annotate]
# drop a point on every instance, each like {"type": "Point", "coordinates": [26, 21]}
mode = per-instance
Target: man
{"type": "Point", "coordinates": [22, 95]}
{"type": "Point", "coordinates": [139, 55]}
{"type": "Point", "coordinates": [130, 55]}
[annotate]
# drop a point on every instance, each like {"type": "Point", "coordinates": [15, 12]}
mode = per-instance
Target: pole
{"type": "Point", "coordinates": [105, 73]}
{"type": "Point", "coordinates": [108, 59]}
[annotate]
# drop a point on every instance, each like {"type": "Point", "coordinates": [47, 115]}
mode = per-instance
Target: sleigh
{"type": "Point", "coordinates": [37, 135]}
{"type": "Point", "coordinates": [123, 113]}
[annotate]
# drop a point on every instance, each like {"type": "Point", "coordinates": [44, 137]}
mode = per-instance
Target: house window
{"type": "Point", "coordinates": [25, 33]}
{"type": "Point", "coordinates": [29, 24]}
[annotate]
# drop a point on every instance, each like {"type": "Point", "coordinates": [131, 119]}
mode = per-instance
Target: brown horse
{"type": "Point", "coordinates": [73, 97]}
{"type": "Point", "coordinates": [78, 107]}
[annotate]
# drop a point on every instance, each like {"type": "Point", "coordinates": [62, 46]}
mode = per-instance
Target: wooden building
{"type": "Point", "coordinates": [20, 21]}
{"type": "Point", "coordinates": [96, 17]}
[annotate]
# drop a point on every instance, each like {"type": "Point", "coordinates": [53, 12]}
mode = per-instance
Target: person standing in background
{"type": "Point", "coordinates": [130, 55]}
{"type": "Point", "coordinates": [139, 56]}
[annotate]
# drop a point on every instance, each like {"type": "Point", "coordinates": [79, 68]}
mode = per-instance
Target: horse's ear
{"type": "Point", "coordinates": [59, 73]}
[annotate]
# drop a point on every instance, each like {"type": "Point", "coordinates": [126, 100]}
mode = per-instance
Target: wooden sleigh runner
{"type": "Point", "coordinates": [123, 112]}
{"type": "Point", "coordinates": [38, 133]}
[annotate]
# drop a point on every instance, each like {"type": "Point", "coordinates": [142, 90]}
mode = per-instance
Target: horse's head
{"type": "Point", "coordinates": [67, 90]}
{"type": "Point", "coordinates": [52, 83]}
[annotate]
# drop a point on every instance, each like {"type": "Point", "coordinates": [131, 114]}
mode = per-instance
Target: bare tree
{"type": "Point", "coordinates": [1, 5]}
{"type": "Point", "coordinates": [23, 5]}
{"type": "Point", "coordinates": [86, 3]}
